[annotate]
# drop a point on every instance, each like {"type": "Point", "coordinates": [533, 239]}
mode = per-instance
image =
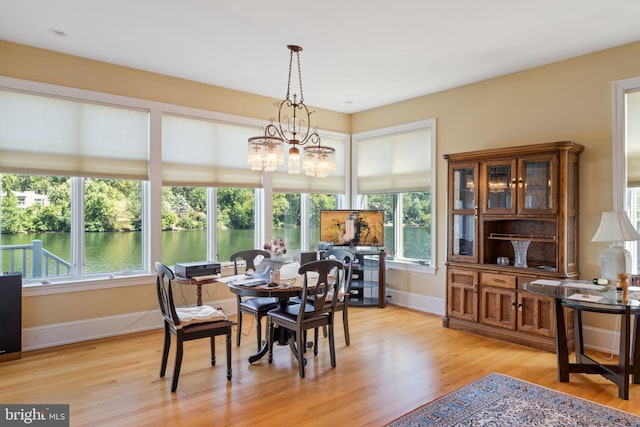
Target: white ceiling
{"type": "Point", "coordinates": [358, 54]}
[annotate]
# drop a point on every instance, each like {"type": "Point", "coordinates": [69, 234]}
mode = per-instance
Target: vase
{"type": "Point", "coordinates": [520, 248]}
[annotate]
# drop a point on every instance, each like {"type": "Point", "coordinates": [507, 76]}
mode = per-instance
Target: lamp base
{"type": "Point", "coordinates": [613, 261]}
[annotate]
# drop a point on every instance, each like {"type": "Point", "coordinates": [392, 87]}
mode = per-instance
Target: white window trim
{"type": "Point", "coordinates": [618, 156]}
{"type": "Point", "coordinates": [618, 153]}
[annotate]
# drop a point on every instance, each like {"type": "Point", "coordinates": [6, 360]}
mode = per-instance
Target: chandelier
{"type": "Point", "coordinates": [293, 126]}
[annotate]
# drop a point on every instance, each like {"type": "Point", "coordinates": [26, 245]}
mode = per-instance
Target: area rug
{"type": "Point", "coordinates": [500, 400]}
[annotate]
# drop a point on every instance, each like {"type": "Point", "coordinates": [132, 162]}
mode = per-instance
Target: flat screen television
{"type": "Point", "coordinates": [352, 227]}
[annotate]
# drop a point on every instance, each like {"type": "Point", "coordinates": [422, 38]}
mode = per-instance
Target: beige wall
{"type": "Point", "coordinates": [569, 100]}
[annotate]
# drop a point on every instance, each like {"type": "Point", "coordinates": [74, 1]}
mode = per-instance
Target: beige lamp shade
{"type": "Point", "coordinates": [615, 227]}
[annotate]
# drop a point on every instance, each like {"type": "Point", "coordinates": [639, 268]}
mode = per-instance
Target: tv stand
{"type": "Point", "coordinates": [368, 279]}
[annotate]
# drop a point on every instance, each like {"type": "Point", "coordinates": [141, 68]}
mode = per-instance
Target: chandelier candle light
{"type": "Point", "coordinates": [294, 127]}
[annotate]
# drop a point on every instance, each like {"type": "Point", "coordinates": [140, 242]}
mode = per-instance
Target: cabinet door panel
{"type": "Point", "coordinates": [497, 307]}
{"type": "Point", "coordinates": [462, 294]}
{"type": "Point", "coordinates": [536, 314]}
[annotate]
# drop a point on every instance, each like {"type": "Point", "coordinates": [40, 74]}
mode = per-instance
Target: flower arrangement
{"type": "Point", "coordinates": [276, 246]}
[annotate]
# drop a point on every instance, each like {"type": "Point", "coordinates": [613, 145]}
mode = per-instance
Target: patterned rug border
{"type": "Point", "coordinates": [501, 400]}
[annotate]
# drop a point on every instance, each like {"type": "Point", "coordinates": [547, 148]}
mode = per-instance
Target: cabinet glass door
{"type": "Point", "coordinates": [463, 212]}
{"type": "Point", "coordinates": [499, 187]}
{"type": "Point", "coordinates": [464, 183]}
{"type": "Point", "coordinates": [464, 236]}
{"type": "Point", "coordinates": [536, 184]}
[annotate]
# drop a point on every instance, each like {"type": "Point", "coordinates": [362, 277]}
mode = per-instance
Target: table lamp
{"type": "Point", "coordinates": [615, 228]}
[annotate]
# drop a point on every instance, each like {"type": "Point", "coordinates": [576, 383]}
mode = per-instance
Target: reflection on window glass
{"type": "Point", "coordinates": [236, 221]}
{"type": "Point", "coordinates": [36, 225]}
{"type": "Point", "coordinates": [184, 224]}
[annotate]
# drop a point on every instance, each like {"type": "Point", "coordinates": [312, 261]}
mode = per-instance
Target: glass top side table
{"type": "Point", "coordinates": [581, 296]}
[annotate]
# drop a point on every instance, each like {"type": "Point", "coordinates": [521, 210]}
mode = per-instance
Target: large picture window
{"type": "Point", "coordinates": [401, 186]}
{"type": "Point", "coordinates": [72, 192]}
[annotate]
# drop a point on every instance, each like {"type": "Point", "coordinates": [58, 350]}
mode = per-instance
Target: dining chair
{"type": "Point", "coordinates": [316, 310]}
{"type": "Point", "coordinates": [188, 323]}
{"type": "Point", "coordinates": [342, 304]}
{"type": "Point", "coordinates": [258, 307]}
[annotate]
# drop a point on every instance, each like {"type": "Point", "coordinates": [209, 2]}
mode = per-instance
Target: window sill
{"type": "Point", "coordinates": [410, 266]}
{"type": "Point", "coordinates": [37, 289]}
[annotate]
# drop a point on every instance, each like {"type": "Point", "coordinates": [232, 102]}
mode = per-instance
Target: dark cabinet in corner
{"type": "Point", "coordinates": [512, 217]}
{"type": "Point", "coordinates": [10, 316]}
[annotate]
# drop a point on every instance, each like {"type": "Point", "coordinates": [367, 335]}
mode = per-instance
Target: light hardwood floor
{"type": "Point", "coordinates": [398, 359]}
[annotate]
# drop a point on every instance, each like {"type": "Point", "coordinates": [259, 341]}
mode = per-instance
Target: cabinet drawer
{"type": "Point", "coordinates": [499, 280]}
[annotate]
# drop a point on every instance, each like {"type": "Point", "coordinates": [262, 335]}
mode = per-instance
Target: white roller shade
{"type": "Point", "coordinates": [333, 184]}
{"type": "Point", "coordinates": [198, 152]}
{"type": "Point", "coordinates": [55, 136]}
{"type": "Point", "coordinates": [398, 162]}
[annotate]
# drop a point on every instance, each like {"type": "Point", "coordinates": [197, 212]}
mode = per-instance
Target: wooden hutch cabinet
{"type": "Point", "coordinates": [519, 204]}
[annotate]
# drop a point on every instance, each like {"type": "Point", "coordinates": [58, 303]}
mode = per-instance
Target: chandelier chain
{"type": "Point", "coordinates": [300, 78]}
{"type": "Point", "coordinates": [290, 67]}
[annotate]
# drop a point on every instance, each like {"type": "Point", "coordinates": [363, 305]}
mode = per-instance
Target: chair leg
{"type": "Point", "coordinates": [176, 369]}
{"type": "Point", "coordinates": [271, 334]}
{"type": "Point", "coordinates": [315, 342]}
{"type": "Point", "coordinates": [239, 328]}
{"type": "Point", "coordinates": [259, 331]}
{"type": "Point", "coordinates": [228, 342]}
{"type": "Point", "coordinates": [332, 346]}
{"type": "Point", "coordinates": [300, 348]}
{"type": "Point", "coordinates": [165, 350]}
{"type": "Point", "coordinates": [345, 322]}
{"type": "Point", "coordinates": [212, 341]}
{"type": "Point", "coordinates": [324, 331]}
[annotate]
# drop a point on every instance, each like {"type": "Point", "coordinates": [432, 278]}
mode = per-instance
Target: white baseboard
{"type": "Point", "coordinates": [424, 303]}
{"type": "Point", "coordinates": [100, 327]}
{"type": "Point", "coordinates": [602, 340]}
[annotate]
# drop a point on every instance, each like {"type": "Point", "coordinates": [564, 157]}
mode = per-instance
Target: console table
{"type": "Point", "coordinates": [576, 294]}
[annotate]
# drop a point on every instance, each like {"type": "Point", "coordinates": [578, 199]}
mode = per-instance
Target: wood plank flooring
{"type": "Point", "coordinates": [398, 359]}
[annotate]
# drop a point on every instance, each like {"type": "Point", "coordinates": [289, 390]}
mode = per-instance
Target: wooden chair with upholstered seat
{"type": "Point", "coordinates": [258, 307]}
{"type": "Point", "coordinates": [188, 323]}
{"type": "Point", "coordinates": [342, 304]}
{"type": "Point", "coordinates": [320, 279]}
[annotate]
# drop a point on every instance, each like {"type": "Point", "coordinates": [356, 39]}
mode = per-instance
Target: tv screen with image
{"type": "Point", "coordinates": [352, 227]}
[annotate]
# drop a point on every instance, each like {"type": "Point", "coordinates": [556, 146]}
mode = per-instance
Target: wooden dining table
{"type": "Point", "coordinates": [283, 292]}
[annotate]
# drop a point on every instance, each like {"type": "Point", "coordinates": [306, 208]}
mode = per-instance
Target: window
{"type": "Point", "coordinates": [197, 152]}
{"type": "Point", "coordinates": [626, 156]}
{"type": "Point", "coordinates": [401, 186]}
{"type": "Point", "coordinates": [73, 170]}
{"type": "Point", "coordinates": [184, 224]}
{"type": "Point", "coordinates": [236, 219]}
